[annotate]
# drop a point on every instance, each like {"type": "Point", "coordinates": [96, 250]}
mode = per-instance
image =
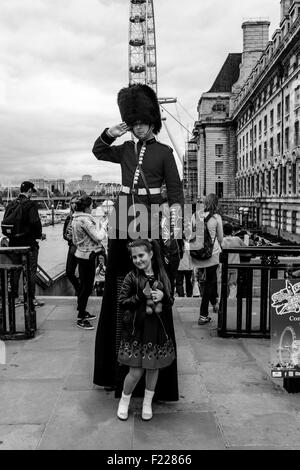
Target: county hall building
{"type": "Point", "coordinates": [247, 131]}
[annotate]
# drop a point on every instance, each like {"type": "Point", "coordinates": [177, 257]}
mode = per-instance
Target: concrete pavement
{"type": "Point", "coordinates": [227, 397]}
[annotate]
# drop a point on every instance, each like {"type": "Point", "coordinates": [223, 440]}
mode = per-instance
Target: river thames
{"type": "Point", "coordinates": [53, 250]}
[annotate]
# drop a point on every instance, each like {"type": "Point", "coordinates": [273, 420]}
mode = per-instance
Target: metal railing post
{"type": "Point", "coordinates": [12, 260]}
{"type": "Point", "coordinates": [222, 317]}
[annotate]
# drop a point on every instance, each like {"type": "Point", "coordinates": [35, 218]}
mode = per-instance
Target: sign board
{"type": "Point", "coordinates": [285, 327]}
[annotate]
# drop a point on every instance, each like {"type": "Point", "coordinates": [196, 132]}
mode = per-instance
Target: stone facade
{"type": "Point", "coordinates": [258, 131]}
{"type": "Point", "coordinates": [266, 111]}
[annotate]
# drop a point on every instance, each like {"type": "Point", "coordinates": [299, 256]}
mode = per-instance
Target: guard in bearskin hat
{"type": "Point", "coordinates": [146, 164]}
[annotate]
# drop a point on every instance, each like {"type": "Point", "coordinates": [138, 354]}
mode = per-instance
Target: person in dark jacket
{"type": "Point", "coordinates": [32, 229]}
{"type": "Point", "coordinates": [140, 113]}
{"type": "Point", "coordinates": [147, 344]}
{"type": "Point", "coordinates": [72, 261]}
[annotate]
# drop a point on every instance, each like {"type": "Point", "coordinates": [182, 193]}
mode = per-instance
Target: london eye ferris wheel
{"type": "Point", "coordinates": [142, 44]}
{"type": "Point", "coordinates": [142, 54]}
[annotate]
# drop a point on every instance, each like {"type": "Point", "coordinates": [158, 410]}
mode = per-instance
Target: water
{"type": "Point", "coordinates": [53, 250]}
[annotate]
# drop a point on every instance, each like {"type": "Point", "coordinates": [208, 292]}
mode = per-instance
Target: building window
{"type": "Point", "coordinates": [272, 118]}
{"type": "Point", "coordinates": [255, 132]}
{"type": "Point", "coordinates": [219, 168]}
{"type": "Point", "coordinates": [243, 141]}
{"type": "Point", "coordinates": [259, 128]}
{"type": "Point", "coordinates": [276, 181]}
{"type": "Point", "coordinates": [219, 190]}
{"type": "Point", "coordinates": [284, 219]}
{"type": "Point", "coordinates": [219, 150]}
{"type": "Point", "coordinates": [297, 136]}
{"type": "Point", "coordinates": [247, 138]}
{"type": "Point", "coordinates": [294, 179]}
{"type": "Point", "coordinates": [279, 142]}
{"type": "Point", "coordinates": [271, 146]}
{"type": "Point", "coordinates": [265, 150]}
{"type": "Point", "coordinates": [251, 158]}
{"type": "Point", "coordinates": [283, 181]}
{"type": "Point", "coordinates": [297, 96]}
{"type": "Point", "coordinates": [279, 112]}
{"type": "Point", "coordinates": [287, 104]}
{"type": "Point", "coordinates": [259, 153]}
{"type": "Point", "coordinates": [287, 138]}
{"type": "Point", "coordinates": [265, 123]}
{"type": "Point", "coordinates": [255, 156]}
{"type": "Point", "coordinates": [294, 221]}
{"type": "Point", "coordinates": [219, 107]}
{"type": "Point", "coordinates": [276, 218]}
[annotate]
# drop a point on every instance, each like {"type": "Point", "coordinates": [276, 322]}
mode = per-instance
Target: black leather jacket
{"type": "Point", "coordinates": [131, 295]}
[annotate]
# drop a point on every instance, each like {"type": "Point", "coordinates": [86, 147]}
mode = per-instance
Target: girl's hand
{"type": "Point", "coordinates": [119, 130]}
{"type": "Point", "coordinates": [157, 295]}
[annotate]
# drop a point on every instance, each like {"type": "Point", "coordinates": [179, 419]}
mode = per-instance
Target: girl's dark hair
{"type": "Point", "coordinates": [157, 263]}
{"type": "Point", "coordinates": [211, 204]}
{"type": "Point", "coordinates": [82, 203]}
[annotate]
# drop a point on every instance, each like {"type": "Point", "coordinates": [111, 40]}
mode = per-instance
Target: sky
{"type": "Point", "coordinates": [62, 63]}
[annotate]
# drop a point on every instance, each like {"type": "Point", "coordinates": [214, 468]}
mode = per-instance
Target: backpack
{"type": "Point", "coordinates": [68, 232]}
{"type": "Point", "coordinates": [206, 251]}
{"type": "Point", "coordinates": [12, 223]}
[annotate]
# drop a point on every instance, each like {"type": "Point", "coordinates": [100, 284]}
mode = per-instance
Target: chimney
{"type": "Point", "coordinates": [285, 7]}
{"type": "Point", "coordinates": [256, 35]}
{"type": "Point", "coordinates": [255, 41]}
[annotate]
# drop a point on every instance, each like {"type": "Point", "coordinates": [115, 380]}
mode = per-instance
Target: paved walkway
{"type": "Point", "coordinates": [227, 398]}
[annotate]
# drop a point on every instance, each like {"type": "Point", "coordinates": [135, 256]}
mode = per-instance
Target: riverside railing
{"type": "Point", "coordinates": [15, 263]}
{"type": "Point", "coordinates": [246, 313]}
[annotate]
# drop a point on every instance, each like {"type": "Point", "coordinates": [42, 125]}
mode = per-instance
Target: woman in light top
{"type": "Point", "coordinates": [87, 238]}
{"type": "Point", "coordinates": [207, 272]}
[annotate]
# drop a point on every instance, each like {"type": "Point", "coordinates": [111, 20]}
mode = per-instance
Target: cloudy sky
{"type": "Point", "coordinates": [62, 63]}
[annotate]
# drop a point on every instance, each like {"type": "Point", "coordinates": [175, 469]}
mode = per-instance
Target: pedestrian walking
{"type": "Point", "coordinates": [231, 241]}
{"type": "Point", "coordinates": [207, 268]}
{"type": "Point", "coordinates": [22, 225]}
{"type": "Point", "coordinates": [145, 166]}
{"type": "Point", "coordinates": [185, 274]}
{"type": "Point", "coordinates": [72, 261]}
{"type": "Point", "coordinates": [99, 281]}
{"type": "Point", "coordinates": [147, 339]}
{"type": "Point", "coordinates": [87, 239]}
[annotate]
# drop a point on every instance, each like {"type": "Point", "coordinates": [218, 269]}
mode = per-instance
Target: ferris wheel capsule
{"type": "Point", "coordinates": [137, 69]}
{"type": "Point", "coordinates": [137, 42]}
{"type": "Point", "coordinates": [137, 19]}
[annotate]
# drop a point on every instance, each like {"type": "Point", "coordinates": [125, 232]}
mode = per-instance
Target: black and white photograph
{"type": "Point", "coordinates": [149, 228]}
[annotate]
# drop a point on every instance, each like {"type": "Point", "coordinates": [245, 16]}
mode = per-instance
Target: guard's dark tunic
{"type": "Point", "coordinates": [159, 167]}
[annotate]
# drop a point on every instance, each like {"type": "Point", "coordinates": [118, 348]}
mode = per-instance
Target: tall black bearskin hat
{"type": "Point", "coordinates": [139, 103]}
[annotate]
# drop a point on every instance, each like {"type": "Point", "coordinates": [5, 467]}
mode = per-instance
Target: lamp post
{"type": "Point", "coordinates": [279, 217]}
{"type": "Point", "coordinates": [52, 214]}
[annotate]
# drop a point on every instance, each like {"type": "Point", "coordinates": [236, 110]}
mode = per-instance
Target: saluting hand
{"type": "Point", "coordinates": [120, 129]}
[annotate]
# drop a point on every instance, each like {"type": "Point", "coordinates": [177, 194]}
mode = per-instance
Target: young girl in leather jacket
{"type": "Point", "coordinates": [146, 345]}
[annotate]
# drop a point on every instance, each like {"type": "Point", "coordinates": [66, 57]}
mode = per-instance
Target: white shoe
{"type": "Point", "coordinates": [122, 412]}
{"type": "Point", "coordinates": [147, 406]}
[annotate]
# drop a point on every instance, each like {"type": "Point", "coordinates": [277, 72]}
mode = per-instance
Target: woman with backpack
{"type": "Point", "coordinates": [207, 268]}
{"type": "Point", "coordinates": [87, 238]}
